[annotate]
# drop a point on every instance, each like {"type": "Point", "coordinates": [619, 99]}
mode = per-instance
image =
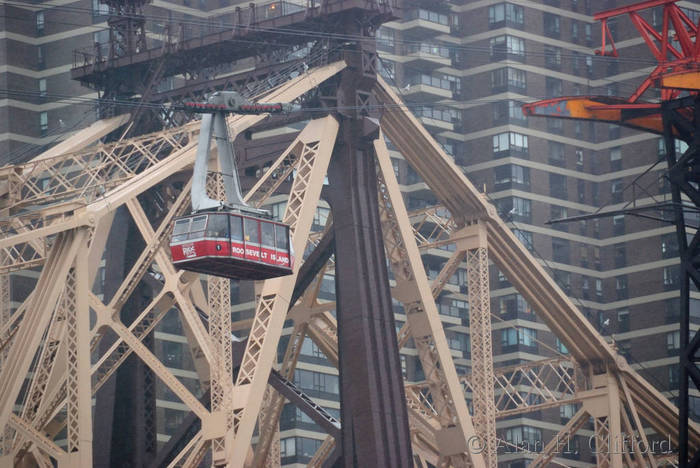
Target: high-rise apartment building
{"type": "Point", "coordinates": [465, 68]}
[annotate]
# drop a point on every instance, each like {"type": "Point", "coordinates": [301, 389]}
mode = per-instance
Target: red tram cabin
{"type": "Point", "coordinates": [232, 245]}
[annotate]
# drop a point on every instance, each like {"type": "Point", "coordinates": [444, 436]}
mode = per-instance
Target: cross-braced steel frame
{"type": "Point", "coordinates": [47, 336]}
{"type": "Point", "coordinates": [682, 121]}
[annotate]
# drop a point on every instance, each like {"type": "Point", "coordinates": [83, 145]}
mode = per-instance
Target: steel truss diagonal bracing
{"type": "Point", "coordinates": [62, 207]}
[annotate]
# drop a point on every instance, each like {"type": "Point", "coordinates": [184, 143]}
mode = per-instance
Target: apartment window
{"type": "Point", "coordinates": [556, 153]}
{"type": "Point", "coordinates": [621, 287]}
{"type": "Point", "coordinates": [552, 25]}
{"type": "Point", "coordinates": [42, 87]}
{"type": "Point", "coordinates": [458, 341]}
{"type": "Point", "coordinates": [561, 250]}
{"type": "Point", "coordinates": [328, 284]}
{"type": "Point", "coordinates": [387, 69]}
{"type": "Point", "coordinates": [671, 276]}
{"type": "Point", "coordinates": [504, 111]}
{"type": "Point", "coordinates": [555, 125]}
{"type": "Point", "coordinates": [620, 255]}
{"type": "Point", "coordinates": [594, 193]}
{"type": "Point", "coordinates": [673, 377]}
{"type": "Point", "coordinates": [623, 321]}
{"type": "Point", "coordinates": [525, 237]}
{"type": "Point", "coordinates": [40, 58]}
{"type": "Point", "coordinates": [613, 131]}
{"type": "Point", "coordinates": [583, 256]}
{"type": "Point", "coordinates": [506, 45]}
{"type": "Point", "coordinates": [557, 186]}
{"type": "Point", "coordinates": [306, 447]}
{"type": "Point", "coordinates": [693, 15]}
{"type": "Point", "coordinates": [277, 210]}
{"type": "Point", "coordinates": [576, 62]}
{"type": "Point", "coordinates": [559, 212]}
{"type": "Point", "coordinates": [619, 225]}
{"type": "Point", "coordinates": [673, 341]}
{"type": "Point", "coordinates": [396, 166]}
{"type": "Point", "coordinates": [321, 216]}
{"type": "Point", "coordinates": [99, 8]}
{"type": "Point", "coordinates": [505, 13]}
{"type": "Point", "coordinates": [505, 176]}
{"type": "Point", "coordinates": [288, 447]}
{"type": "Point", "coordinates": [552, 57]}
{"type": "Point", "coordinates": [40, 23]}
{"type": "Point", "coordinates": [585, 287]}
{"type": "Point", "coordinates": [514, 208]}
{"type": "Point", "coordinates": [596, 256]}
{"type": "Point", "coordinates": [581, 189]}
{"type": "Point", "coordinates": [449, 148]}
{"type": "Point", "coordinates": [385, 39]}
{"type": "Point", "coordinates": [661, 145]}
{"type": "Point", "coordinates": [172, 354]}
{"type": "Point", "coordinates": [599, 288]}
{"type": "Point", "coordinates": [44, 123]}
{"type": "Point", "coordinates": [524, 435]}
{"type": "Point", "coordinates": [514, 304]}
{"type": "Point", "coordinates": [508, 78]}
{"type": "Point", "coordinates": [510, 141]}
{"type": "Point", "coordinates": [444, 115]}
{"type": "Point", "coordinates": [616, 158]}
{"type": "Point", "coordinates": [309, 348]}
{"type": "Point", "coordinates": [432, 16]}
{"type": "Point", "coordinates": [579, 158]}
{"type": "Point", "coordinates": [616, 189]}
{"type": "Point", "coordinates": [589, 66]}
{"type": "Point", "coordinates": [588, 31]}
{"type": "Point", "coordinates": [454, 308]}
{"type": "Point", "coordinates": [669, 245]}
{"type": "Point", "coordinates": [567, 412]}
{"type": "Point", "coordinates": [574, 31]}
{"type": "Point", "coordinates": [563, 279]}
{"type": "Point", "coordinates": [553, 87]}
{"type": "Point", "coordinates": [316, 381]}
{"type": "Point", "coordinates": [515, 111]}
{"type": "Point", "coordinates": [523, 336]}
{"type": "Point", "coordinates": [560, 347]}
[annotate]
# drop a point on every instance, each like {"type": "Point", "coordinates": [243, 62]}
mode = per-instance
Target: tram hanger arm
{"type": "Point", "coordinates": [214, 122]}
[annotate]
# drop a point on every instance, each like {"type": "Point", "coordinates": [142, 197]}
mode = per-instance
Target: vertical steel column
{"type": "Point", "coordinates": [683, 174]}
{"type": "Point", "coordinates": [373, 410]}
{"type": "Point", "coordinates": [105, 398]}
{"type": "Point", "coordinates": [219, 298]}
{"type": "Point", "coordinates": [78, 384]}
{"type": "Point", "coordinates": [481, 347]}
{"type": "Point", "coordinates": [5, 297]}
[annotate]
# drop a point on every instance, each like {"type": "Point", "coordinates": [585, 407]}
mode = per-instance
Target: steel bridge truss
{"type": "Point", "coordinates": [60, 208]}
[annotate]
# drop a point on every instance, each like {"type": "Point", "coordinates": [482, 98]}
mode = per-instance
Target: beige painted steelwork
{"type": "Point", "coordinates": [58, 210]}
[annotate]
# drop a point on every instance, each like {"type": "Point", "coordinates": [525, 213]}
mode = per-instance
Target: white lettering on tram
{"type": "Point", "coordinates": [189, 251]}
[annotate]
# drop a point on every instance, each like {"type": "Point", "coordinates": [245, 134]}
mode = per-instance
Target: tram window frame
{"type": "Point", "coordinates": [282, 242]}
{"type": "Point", "coordinates": [246, 236]}
{"type": "Point", "coordinates": [196, 233]}
{"type": "Point", "coordinates": [179, 236]}
{"type": "Point", "coordinates": [218, 234]}
{"type": "Point", "coordinates": [263, 242]}
{"type": "Point", "coordinates": [236, 221]}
